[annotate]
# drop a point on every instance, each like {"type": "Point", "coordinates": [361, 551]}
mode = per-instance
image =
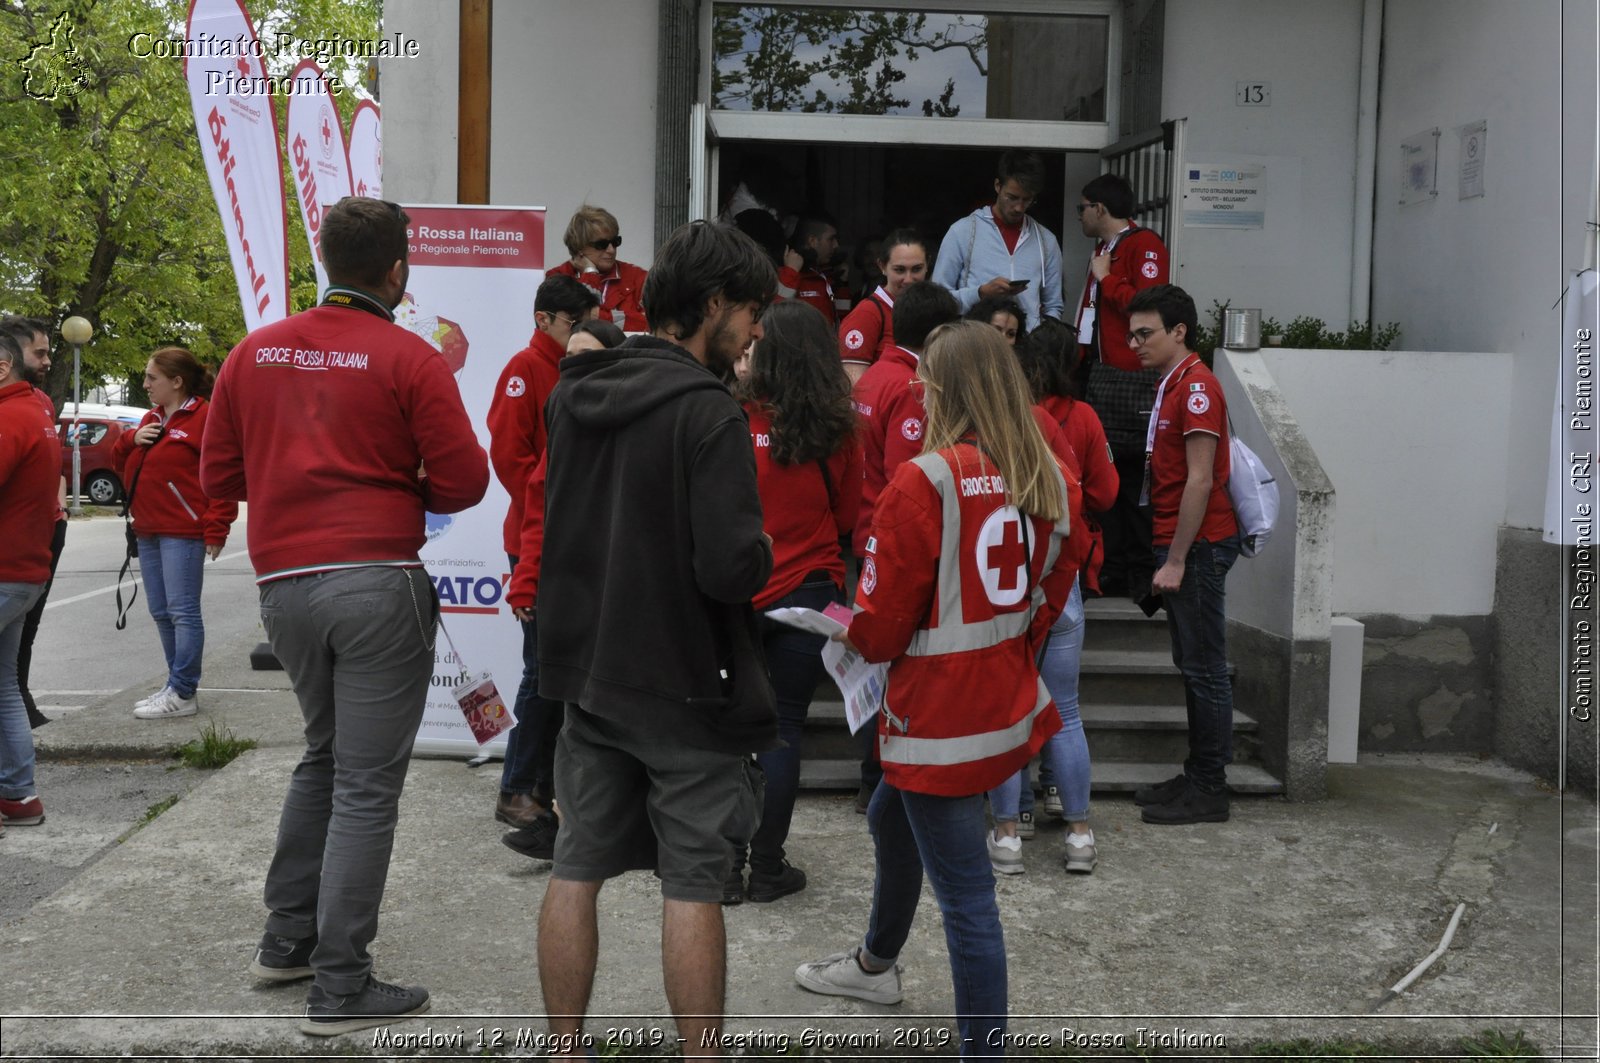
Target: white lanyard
{"type": "Point", "coordinates": [1161, 390]}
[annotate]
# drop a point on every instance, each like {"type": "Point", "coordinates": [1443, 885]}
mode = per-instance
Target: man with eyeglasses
{"type": "Point", "coordinates": [516, 443]}
{"type": "Point", "coordinates": [999, 251]}
{"type": "Point", "coordinates": [1196, 542]}
{"type": "Point", "coordinates": [592, 240]}
{"type": "Point", "coordinates": [1128, 259]}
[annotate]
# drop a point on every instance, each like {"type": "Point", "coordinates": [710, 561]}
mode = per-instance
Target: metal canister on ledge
{"type": "Point", "coordinates": [1241, 329]}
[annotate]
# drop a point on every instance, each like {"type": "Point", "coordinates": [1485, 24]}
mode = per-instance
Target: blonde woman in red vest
{"type": "Point", "coordinates": [967, 568]}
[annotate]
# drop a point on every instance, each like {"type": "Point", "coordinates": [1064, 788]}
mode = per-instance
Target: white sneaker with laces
{"type": "Point", "coordinates": [150, 699]}
{"type": "Point", "coordinates": [167, 706]}
{"type": "Point", "coordinates": [1005, 854]}
{"type": "Point", "coordinates": [840, 975]}
{"type": "Point", "coordinates": [1080, 856]}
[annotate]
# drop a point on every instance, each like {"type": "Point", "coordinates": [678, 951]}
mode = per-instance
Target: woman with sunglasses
{"type": "Point", "coordinates": [968, 569]}
{"type": "Point", "coordinates": [808, 472]}
{"type": "Point", "coordinates": [592, 239]}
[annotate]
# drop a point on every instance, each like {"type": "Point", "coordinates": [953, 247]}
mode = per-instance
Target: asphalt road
{"type": "Point", "coordinates": [80, 656]}
{"type": "Point", "coordinates": [79, 659]}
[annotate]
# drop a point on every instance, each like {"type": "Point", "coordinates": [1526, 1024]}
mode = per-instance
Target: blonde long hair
{"type": "Point", "coordinates": [972, 384]}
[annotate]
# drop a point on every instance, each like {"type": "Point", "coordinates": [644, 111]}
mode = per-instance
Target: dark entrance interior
{"type": "Point", "coordinates": [873, 188]}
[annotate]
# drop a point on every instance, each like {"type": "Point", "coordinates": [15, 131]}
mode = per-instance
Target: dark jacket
{"type": "Point", "coordinates": [653, 550]}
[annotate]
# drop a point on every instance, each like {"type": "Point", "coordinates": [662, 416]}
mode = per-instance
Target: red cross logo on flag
{"type": "Point", "coordinates": [1003, 557]}
{"type": "Point", "coordinates": [243, 66]}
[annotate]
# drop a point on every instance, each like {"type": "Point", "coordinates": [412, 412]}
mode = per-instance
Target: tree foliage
{"type": "Point", "coordinates": [772, 58]}
{"type": "Point", "coordinates": [108, 213]}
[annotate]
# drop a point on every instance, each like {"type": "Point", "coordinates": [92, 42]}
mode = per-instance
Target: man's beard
{"type": "Point", "coordinates": [721, 351]}
{"type": "Point", "coordinates": [30, 373]}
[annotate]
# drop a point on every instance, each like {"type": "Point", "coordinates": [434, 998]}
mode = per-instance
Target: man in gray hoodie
{"type": "Point", "coordinates": [999, 251]}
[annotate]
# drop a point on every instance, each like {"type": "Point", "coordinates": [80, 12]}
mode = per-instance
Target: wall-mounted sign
{"type": "Point", "coordinates": [1224, 195]}
{"type": "Point", "coordinates": [1474, 145]}
{"type": "Point", "coordinates": [1252, 93]}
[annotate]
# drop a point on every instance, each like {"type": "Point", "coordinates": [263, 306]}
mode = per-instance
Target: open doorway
{"type": "Point", "coordinates": [871, 189]}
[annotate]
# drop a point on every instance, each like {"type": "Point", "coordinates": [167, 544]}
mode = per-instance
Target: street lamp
{"type": "Point", "coordinates": [77, 331]}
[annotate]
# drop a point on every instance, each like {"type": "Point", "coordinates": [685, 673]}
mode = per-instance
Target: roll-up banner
{"type": "Point", "coordinates": [1570, 499]}
{"type": "Point", "coordinates": [238, 136]}
{"type": "Point", "coordinates": [474, 272]}
{"type": "Point", "coordinates": [318, 160]}
{"type": "Point", "coordinates": [366, 150]}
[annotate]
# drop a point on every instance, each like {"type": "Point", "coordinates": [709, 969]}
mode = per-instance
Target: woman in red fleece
{"type": "Point", "coordinates": [808, 471]}
{"type": "Point", "coordinates": [177, 525]}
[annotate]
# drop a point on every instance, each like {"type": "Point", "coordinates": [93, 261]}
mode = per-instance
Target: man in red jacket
{"type": "Point", "coordinates": [342, 429]}
{"type": "Point", "coordinates": [516, 443]}
{"type": "Point", "coordinates": [1128, 258]}
{"type": "Point", "coordinates": [807, 256]}
{"type": "Point", "coordinates": [30, 464]}
{"type": "Point", "coordinates": [33, 337]}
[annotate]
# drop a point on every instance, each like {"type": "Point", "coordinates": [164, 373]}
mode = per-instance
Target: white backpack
{"type": "Point", "coordinates": [1254, 492]}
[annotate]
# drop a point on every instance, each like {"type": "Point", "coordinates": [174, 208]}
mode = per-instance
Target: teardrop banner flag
{"type": "Point", "coordinates": [366, 150]}
{"type": "Point", "coordinates": [318, 161]}
{"type": "Point", "coordinates": [238, 134]}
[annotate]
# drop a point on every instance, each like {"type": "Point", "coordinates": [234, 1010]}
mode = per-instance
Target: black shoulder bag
{"type": "Point", "coordinates": [133, 546]}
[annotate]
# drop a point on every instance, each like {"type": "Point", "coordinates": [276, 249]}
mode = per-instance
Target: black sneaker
{"type": "Point", "coordinates": [537, 840]}
{"type": "Point", "coordinates": [281, 959]}
{"type": "Point", "coordinates": [1161, 792]}
{"type": "Point", "coordinates": [770, 885]}
{"type": "Point", "coordinates": [1191, 806]}
{"type": "Point", "coordinates": [376, 1004]}
{"type": "Point", "coordinates": [733, 887]}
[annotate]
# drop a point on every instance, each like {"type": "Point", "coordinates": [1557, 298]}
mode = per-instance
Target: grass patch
{"type": "Point", "coordinates": [215, 748]}
{"type": "Point", "coordinates": [155, 810]}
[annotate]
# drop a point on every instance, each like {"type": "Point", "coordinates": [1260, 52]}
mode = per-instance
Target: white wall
{"type": "Point", "coordinates": [419, 98]}
{"type": "Point", "coordinates": [1483, 274]}
{"type": "Point", "coordinates": [575, 114]}
{"type": "Point", "coordinates": [1415, 445]}
{"type": "Point", "coordinates": [1310, 51]}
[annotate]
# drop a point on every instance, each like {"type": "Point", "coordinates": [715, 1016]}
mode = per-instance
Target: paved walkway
{"type": "Point", "coordinates": [1287, 922]}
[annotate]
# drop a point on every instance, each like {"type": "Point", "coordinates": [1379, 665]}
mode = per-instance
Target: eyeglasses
{"type": "Point", "coordinates": [1081, 207]}
{"type": "Point", "coordinates": [606, 245]}
{"type": "Point", "coordinates": [570, 321]}
{"type": "Point", "coordinates": [1140, 336]}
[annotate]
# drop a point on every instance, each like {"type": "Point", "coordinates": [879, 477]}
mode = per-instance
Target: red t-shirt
{"type": "Point", "coordinates": [868, 330]}
{"type": "Point", "coordinates": [1191, 401]}
{"type": "Point", "coordinates": [804, 512]}
{"type": "Point", "coordinates": [1009, 233]}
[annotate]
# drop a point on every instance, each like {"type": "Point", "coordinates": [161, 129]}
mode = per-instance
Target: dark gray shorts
{"type": "Point", "coordinates": [635, 802]}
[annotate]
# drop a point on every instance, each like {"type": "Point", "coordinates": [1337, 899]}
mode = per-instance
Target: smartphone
{"type": "Point", "coordinates": [1017, 286]}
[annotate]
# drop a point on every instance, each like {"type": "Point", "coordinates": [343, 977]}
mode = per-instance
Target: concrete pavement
{"type": "Point", "coordinates": [1287, 922]}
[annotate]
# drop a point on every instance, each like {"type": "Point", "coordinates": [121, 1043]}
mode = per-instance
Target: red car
{"type": "Point", "coordinates": [99, 427]}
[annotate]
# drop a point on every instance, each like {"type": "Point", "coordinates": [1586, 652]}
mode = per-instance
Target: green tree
{"type": "Point", "coordinates": [107, 209]}
{"type": "Point", "coordinates": [767, 58]}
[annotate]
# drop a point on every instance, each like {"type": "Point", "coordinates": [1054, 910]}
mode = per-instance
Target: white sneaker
{"type": "Point", "coordinates": [840, 975]}
{"type": "Point", "coordinates": [150, 699]}
{"type": "Point", "coordinates": [1026, 828]}
{"type": "Point", "coordinates": [1080, 856]}
{"type": "Point", "coordinates": [1005, 854]}
{"type": "Point", "coordinates": [167, 705]}
{"type": "Point", "coordinates": [1052, 802]}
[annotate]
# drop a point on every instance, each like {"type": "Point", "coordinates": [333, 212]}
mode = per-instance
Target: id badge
{"type": "Point", "coordinates": [1086, 326]}
{"type": "Point", "coordinates": [485, 710]}
{"type": "Point", "coordinates": [1144, 488]}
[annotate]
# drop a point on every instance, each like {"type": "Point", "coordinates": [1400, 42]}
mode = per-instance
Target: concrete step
{"type": "Point", "coordinates": [1106, 776]}
{"type": "Point", "coordinates": [1118, 624]}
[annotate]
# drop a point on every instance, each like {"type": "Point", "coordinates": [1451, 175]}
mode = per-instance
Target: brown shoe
{"type": "Point", "coordinates": [518, 810]}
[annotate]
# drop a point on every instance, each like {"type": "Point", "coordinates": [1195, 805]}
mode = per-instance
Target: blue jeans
{"type": "Point", "coordinates": [1198, 623]}
{"type": "Point", "coordinates": [943, 836]}
{"type": "Point", "coordinates": [1064, 761]}
{"type": "Point", "coordinates": [794, 663]}
{"type": "Point", "coordinates": [173, 570]}
{"type": "Point", "coordinates": [530, 766]}
{"type": "Point", "coordinates": [16, 738]}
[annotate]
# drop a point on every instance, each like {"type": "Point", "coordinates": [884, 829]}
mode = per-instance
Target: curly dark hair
{"type": "Point", "coordinates": [796, 374]}
{"type": "Point", "coordinates": [1049, 357]}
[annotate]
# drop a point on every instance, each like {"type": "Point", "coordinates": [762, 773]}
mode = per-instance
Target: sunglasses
{"type": "Point", "coordinates": [606, 245]}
